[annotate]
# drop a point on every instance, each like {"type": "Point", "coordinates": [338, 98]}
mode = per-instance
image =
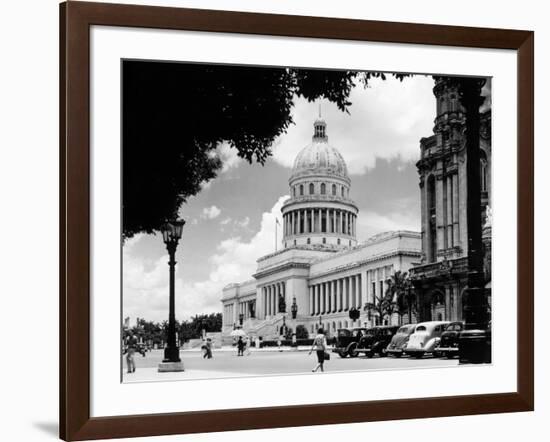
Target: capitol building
{"type": "Point", "coordinates": [322, 270]}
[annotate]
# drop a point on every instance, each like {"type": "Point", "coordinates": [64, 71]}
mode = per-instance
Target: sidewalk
{"type": "Point", "coordinates": [229, 348]}
{"type": "Point", "coordinates": [151, 374]}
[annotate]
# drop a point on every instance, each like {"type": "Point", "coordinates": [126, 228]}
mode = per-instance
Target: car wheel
{"type": "Point", "coordinates": [342, 354]}
{"type": "Point", "coordinates": [418, 355]}
{"type": "Point", "coordinates": [382, 353]}
{"type": "Point", "coordinates": [353, 351]}
{"type": "Point", "coordinates": [369, 354]}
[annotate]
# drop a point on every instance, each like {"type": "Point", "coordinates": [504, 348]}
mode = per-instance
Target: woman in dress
{"type": "Point", "coordinates": [320, 345]}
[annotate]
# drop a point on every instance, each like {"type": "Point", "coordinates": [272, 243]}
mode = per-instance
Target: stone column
{"type": "Point", "coordinates": [364, 288]}
{"type": "Point", "coordinates": [352, 289]}
{"type": "Point", "coordinates": [449, 211]}
{"type": "Point", "coordinates": [287, 225]}
{"type": "Point", "coordinates": [266, 303]}
{"type": "Point", "coordinates": [448, 313]}
{"type": "Point", "coordinates": [345, 230]}
{"type": "Point", "coordinates": [359, 287]}
{"type": "Point", "coordinates": [269, 303]}
{"type": "Point", "coordinates": [319, 220]}
{"type": "Point", "coordinates": [273, 296]}
{"type": "Point", "coordinates": [334, 297]}
{"type": "Point", "coordinates": [267, 306]}
{"type": "Point", "coordinates": [345, 290]}
{"type": "Point", "coordinates": [456, 231]}
{"type": "Point", "coordinates": [276, 299]}
{"type": "Point", "coordinates": [440, 232]}
{"type": "Point", "coordinates": [318, 299]}
{"type": "Point", "coordinates": [310, 298]}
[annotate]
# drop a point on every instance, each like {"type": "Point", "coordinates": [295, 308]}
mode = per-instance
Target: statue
{"type": "Point", "coordinates": [282, 304]}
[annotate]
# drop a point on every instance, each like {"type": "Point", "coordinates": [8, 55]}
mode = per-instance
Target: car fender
{"type": "Point", "coordinates": [431, 344]}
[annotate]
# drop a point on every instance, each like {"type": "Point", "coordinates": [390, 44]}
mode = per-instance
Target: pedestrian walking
{"type": "Point", "coordinates": [131, 346]}
{"type": "Point", "coordinates": [279, 343]}
{"type": "Point", "coordinates": [207, 348]}
{"type": "Point", "coordinates": [240, 346]}
{"type": "Point", "coordinates": [320, 345]}
{"type": "Point", "coordinates": [247, 345]}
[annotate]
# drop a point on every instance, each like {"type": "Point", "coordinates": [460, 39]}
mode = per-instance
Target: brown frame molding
{"type": "Point", "coordinates": [75, 21]}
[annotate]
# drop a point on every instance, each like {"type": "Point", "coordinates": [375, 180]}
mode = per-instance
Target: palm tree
{"type": "Point", "coordinates": [382, 305]}
{"type": "Point", "coordinates": [401, 293]}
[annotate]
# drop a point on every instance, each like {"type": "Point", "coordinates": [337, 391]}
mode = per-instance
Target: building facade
{"type": "Point", "coordinates": [321, 271]}
{"type": "Point", "coordinates": [441, 280]}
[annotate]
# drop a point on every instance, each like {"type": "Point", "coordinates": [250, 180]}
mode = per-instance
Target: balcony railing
{"type": "Point", "coordinates": [458, 265]}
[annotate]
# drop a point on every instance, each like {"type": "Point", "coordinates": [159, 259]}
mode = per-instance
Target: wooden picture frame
{"type": "Point", "coordinates": [75, 21]}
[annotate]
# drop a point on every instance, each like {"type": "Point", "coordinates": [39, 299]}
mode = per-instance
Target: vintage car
{"type": "Point", "coordinates": [375, 340]}
{"type": "Point", "coordinates": [448, 344]}
{"type": "Point", "coordinates": [400, 340]}
{"type": "Point", "coordinates": [425, 338]}
{"type": "Point", "coordinates": [475, 346]}
{"type": "Point", "coordinates": [347, 341]}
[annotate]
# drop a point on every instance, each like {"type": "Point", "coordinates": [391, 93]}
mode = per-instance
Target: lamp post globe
{"type": "Point", "coordinates": [171, 234]}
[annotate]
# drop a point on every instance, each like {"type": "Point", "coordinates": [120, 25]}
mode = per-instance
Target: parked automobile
{"type": "Point", "coordinates": [347, 341]}
{"type": "Point", "coordinates": [448, 344]}
{"type": "Point", "coordinates": [474, 346]}
{"type": "Point", "coordinates": [425, 338]}
{"type": "Point", "coordinates": [375, 340]}
{"type": "Point", "coordinates": [400, 340]}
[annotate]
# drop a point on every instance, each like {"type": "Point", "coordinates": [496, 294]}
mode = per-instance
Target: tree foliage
{"type": "Point", "coordinates": [400, 289]}
{"type": "Point", "coordinates": [155, 332]}
{"type": "Point", "coordinates": [175, 115]}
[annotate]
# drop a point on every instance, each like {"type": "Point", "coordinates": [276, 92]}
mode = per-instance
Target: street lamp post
{"type": "Point", "coordinates": [171, 234]}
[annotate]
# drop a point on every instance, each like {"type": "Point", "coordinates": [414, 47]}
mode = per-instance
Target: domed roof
{"type": "Point", "coordinates": [319, 157]}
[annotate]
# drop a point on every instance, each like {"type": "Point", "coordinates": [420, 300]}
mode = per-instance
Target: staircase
{"type": "Point", "coordinates": [267, 328]}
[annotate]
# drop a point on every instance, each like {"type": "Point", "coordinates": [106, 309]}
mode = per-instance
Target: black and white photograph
{"type": "Point", "coordinates": [281, 220]}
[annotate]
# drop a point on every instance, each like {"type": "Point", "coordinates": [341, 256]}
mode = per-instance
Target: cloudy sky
{"type": "Point", "coordinates": [231, 222]}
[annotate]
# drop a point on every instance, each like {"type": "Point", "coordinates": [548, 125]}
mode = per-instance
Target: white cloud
{"type": "Point", "coordinates": [146, 283]}
{"type": "Point", "coordinates": [210, 212]}
{"type": "Point", "coordinates": [228, 156]}
{"type": "Point", "coordinates": [244, 223]}
{"type": "Point", "coordinates": [225, 221]}
{"type": "Point", "coordinates": [385, 121]}
{"type": "Point", "coordinates": [370, 223]}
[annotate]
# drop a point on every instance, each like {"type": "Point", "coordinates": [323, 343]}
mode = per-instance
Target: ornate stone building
{"type": "Point", "coordinates": [321, 271]}
{"type": "Point", "coordinates": [441, 279]}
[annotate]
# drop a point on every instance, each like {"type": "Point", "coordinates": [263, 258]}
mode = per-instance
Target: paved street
{"type": "Point", "coordinates": [226, 363]}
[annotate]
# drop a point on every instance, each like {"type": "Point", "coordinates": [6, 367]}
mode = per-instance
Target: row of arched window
{"type": "Point", "coordinates": [323, 189]}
